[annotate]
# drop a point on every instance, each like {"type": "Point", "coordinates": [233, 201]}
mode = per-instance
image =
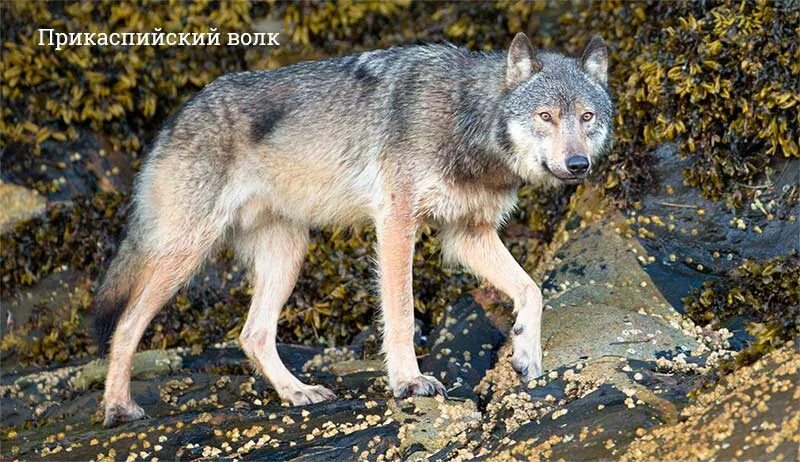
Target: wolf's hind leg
{"type": "Point", "coordinates": [276, 253]}
{"type": "Point", "coordinates": [157, 282]}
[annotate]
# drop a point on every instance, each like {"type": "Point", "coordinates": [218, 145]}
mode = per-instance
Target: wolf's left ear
{"type": "Point", "coordinates": [521, 62]}
{"type": "Point", "coordinates": [595, 60]}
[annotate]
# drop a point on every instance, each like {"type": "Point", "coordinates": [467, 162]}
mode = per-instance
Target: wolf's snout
{"type": "Point", "coordinates": [578, 165]}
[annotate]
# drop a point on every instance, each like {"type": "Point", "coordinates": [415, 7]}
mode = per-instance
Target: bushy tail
{"type": "Point", "coordinates": [115, 292]}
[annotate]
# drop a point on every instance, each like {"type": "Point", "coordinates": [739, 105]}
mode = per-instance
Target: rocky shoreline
{"type": "Point", "coordinates": [623, 367]}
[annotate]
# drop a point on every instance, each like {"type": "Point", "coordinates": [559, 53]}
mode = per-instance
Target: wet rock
{"type": "Point", "coordinates": [588, 411]}
{"type": "Point", "coordinates": [462, 347]}
{"type": "Point", "coordinates": [209, 404]}
{"type": "Point", "coordinates": [14, 412]}
{"type": "Point", "coordinates": [619, 358]}
{"type": "Point", "coordinates": [357, 365]}
{"type": "Point", "coordinates": [53, 290]}
{"type": "Point", "coordinates": [692, 238]}
{"type": "Point", "coordinates": [429, 424]}
{"type": "Point", "coordinates": [753, 414]}
{"type": "Point", "coordinates": [369, 339]}
{"type": "Point", "coordinates": [18, 204]}
{"type": "Point", "coordinates": [620, 363]}
{"type": "Point", "coordinates": [145, 364]}
{"type": "Point", "coordinates": [197, 410]}
{"type": "Point", "coordinates": [599, 301]}
{"type": "Point", "coordinates": [581, 429]}
{"type": "Point", "coordinates": [66, 170]}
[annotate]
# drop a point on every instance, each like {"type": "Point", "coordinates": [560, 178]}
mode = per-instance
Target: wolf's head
{"type": "Point", "coordinates": [558, 113]}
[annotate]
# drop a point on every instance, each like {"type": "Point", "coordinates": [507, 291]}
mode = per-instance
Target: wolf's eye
{"type": "Point", "coordinates": [587, 116]}
{"type": "Point", "coordinates": [546, 116]}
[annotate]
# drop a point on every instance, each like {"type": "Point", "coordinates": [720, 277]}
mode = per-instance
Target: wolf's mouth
{"type": "Point", "coordinates": [568, 179]}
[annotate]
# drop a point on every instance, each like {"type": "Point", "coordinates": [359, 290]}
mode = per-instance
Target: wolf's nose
{"type": "Point", "coordinates": [578, 165]}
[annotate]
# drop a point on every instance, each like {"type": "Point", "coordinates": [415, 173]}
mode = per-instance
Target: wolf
{"type": "Point", "coordinates": [397, 138]}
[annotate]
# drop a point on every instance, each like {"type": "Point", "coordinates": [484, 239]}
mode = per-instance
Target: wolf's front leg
{"type": "Point", "coordinates": [480, 249]}
{"type": "Point", "coordinates": [396, 234]}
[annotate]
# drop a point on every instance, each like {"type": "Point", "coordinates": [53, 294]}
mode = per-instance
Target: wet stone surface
{"type": "Point", "coordinates": [210, 405]}
{"type": "Point", "coordinates": [621, 369]}
{"type": "Point", "coordinates": [70, 169]}
{"type": "Point", "coordinates": [753, 414]}
{"type": "Point", "coordinates": [692, 239]}
{"type": "Point", "coordinates": [463, 348]}
{"type": "Point", "coordinates": [600, 302]}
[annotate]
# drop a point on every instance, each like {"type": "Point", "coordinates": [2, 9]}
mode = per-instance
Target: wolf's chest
{"type": "Point", "coordinates": [470, 204]}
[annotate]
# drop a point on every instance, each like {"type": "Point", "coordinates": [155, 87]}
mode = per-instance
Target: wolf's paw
{"type": "Point", "coordinates": [120, 413]}
{"type": "Point", "coordinates": [527, 359]}
{"type": "Point", "coordinates": [308, 394]}
{"type": "Point", "coordinates": [422, 385]}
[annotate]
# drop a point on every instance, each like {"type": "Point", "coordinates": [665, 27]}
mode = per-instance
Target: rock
{"type": "Point", "coordinates": [66, 170]}
{"type": "Point", "coordinates": [620, 360]}
{"type": "Point", "coordinates": [357, 365]}
{"type": "Point", "coordinates": [14, 412]}
{"type": "Point", "coordinates": [693, 238]}
{"type": "Point", "coordinates": [580, 429]}
{"type": "Point", "coordinates": [601, 302]}
{"type": "Point", "coordinates": [209, 404]}
{"type": "Point", "coordinates": [54, 290]}
{"type": "Point", "coordinates": [753, 414]}
{"type": "Point", "coordinates": [197, 410]}
{"type": "Point", "coordinates": [462, 347]}
{"type": "Point", "coordinates": [145, 364]}
{"type": "Point", "coordinates": [369, 339]}
{"type": "Point", "coordinates": [590, 411]}
{"type": "Point", "coordinates": [18, 204]}
{"type": "Point", "coordinates": [429, 424]}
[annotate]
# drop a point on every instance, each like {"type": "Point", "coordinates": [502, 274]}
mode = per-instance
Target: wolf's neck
{"type": "Point", "coordinates": [480, 139]}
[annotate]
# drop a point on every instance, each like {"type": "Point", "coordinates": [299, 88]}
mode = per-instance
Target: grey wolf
{"type": "Point", "coordinates": [397, 138]}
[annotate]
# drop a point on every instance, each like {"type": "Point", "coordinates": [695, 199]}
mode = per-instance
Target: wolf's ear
{"type": "Point", "coordinates": [522, 62]}
{"type": "Point", "coordinates": [595, 60]}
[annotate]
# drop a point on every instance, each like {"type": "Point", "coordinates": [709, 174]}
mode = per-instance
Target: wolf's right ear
{"type": "Point", "coordinates": [522, 62]}
{"type": "Point", "coordinates": [595, 60]}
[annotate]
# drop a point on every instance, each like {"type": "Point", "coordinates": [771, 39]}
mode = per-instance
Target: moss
{"type": "Point", "coordinates": [766, 294]}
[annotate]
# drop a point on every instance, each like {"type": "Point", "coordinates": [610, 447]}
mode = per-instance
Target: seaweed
{"type": "Point", "coordinates": [766, 294]}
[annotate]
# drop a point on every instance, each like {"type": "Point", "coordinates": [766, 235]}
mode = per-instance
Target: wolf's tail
{"type": "Point", "coordinates": [116, 291]}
